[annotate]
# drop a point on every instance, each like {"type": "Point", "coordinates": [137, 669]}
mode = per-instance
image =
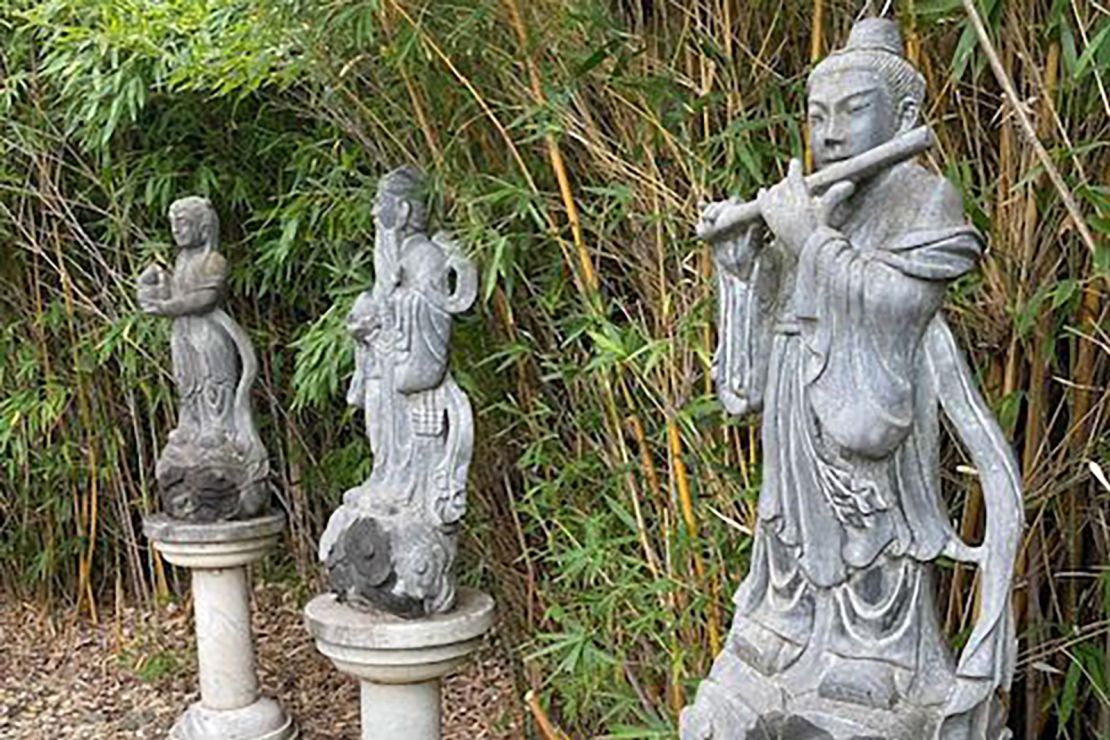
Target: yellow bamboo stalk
{"type": "Point", "coordinates": [554, 153]}
{"type": "Point", "coordinates": [1026, 603]}
{"type": "Point", "coordinates": [617, 438]}
{"type": "Point", "coordinates": [544, 724]}
{"type": "Point", "coordinates": [1027, 126]}
{"type": "Point", "coordinates": [682, 484]}
{"type": "Point", "coordinates": [646, 462]}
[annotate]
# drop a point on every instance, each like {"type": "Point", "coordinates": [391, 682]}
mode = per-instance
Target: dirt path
{"type": "Point", "coordinates": [130, 676]}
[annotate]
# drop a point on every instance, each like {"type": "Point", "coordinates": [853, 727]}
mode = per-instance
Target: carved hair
{"type": "Point", "coordinates": [407, 184]}
{"type": "Point", "coordinates": [201, 212]}
{"type": "Point", "coordinates": [876, 44]}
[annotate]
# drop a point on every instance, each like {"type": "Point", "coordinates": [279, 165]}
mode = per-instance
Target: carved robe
{"type": "Point", "coordinates": [205, 356]}
{"type": "Point", "coordinates": [393, 541]}
{"type": "Point", "coordinates": [843, 348]}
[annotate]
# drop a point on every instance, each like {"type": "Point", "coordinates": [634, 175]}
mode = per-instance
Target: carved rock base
{"type": "Point", "coordinates": [399, 662]}
{"type": "Point", "coordinates": [204, 484]}
{"type": "Point", "coordinates": [217, 555]}
{"type": "Point", "coordinates": [737, 702]}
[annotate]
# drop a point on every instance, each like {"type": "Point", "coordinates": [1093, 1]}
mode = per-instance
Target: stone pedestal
{"type": "Point", "coordinates": [217, 555]}
{"type": "Point", "coordinates": [399, 662]}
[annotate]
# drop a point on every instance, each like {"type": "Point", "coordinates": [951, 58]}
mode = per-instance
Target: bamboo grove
{"type": "Point", "coordinates": [569, 144]}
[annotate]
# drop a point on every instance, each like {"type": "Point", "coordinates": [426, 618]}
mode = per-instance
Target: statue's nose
{"type": "Point", "coordinates": [836, 132]}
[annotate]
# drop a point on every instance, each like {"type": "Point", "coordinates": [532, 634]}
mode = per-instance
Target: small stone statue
{"type": "Point", "coordinates": [831, 327]}
{"type": "Point", "coordinates": [214, 467]}
{"type": "Point", "coordinates": [392, 543]}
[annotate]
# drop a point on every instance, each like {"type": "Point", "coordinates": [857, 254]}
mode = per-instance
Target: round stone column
{"type": "Point", "coordinates": [217, 555]}
{"type": "Point", "coordinates": [399, 662]}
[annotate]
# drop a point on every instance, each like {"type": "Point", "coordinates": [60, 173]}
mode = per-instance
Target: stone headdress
{"type": "Point", "coordinates": [406, 184]}
{"type": "Point", "coordinates": [876, 44]}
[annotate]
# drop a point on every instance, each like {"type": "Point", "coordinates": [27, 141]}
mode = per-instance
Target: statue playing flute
{"type": "Point", "coordinates": [830, 289]}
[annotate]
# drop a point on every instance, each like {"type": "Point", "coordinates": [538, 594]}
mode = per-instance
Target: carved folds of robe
{"type": "Point", "coordinates": [834, 345]}
{"type": "Point", "coordinates": [393, 542]}
{"type": "Point", "coordinates": [214, 466]}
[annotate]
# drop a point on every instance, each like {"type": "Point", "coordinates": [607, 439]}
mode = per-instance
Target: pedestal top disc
{"type": "Point", "coordinates": [162, 528]}
{"type": "Point", "coordinates": [339, 624]}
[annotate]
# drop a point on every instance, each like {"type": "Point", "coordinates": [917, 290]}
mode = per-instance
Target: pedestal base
{"type": "Point", "coordinates": [217, 555]}
{"type": "Point", "coordinates": [262, 720]}
{"type": "Point", "coordinates": [399, 662]}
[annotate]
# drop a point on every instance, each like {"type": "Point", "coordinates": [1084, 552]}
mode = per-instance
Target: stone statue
{"type": "Point", "coordinates": [829, 289]}
{"type": "Point", "coordinates": [214, 467]}
{"type": "Point", "coordinates": [392, 543]}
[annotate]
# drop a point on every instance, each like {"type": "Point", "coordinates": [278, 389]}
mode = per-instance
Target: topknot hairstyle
{"type": "Point", "coordinates": [876, 44]}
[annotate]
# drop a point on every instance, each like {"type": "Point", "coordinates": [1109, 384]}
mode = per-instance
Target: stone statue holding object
{"type": "Point", "coordinates": [830, 288]}
{"type": "Point", "coordinates": [392, 543]}
{"type": "Point", "coordinates": [214, 467]}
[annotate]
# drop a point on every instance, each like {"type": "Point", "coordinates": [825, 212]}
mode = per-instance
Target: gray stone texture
{"type": "Point", "coordinates": [830, 324]}
{"type": "Point", "coordinates": [392, 543]}
{"type": "Point", "coordinates": [213, 467]}
{"type": "Point", "coordinates": [217, 555]}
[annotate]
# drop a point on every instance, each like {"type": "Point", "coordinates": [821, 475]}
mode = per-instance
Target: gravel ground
{"type": "Point", "coordinates": [131, 675]}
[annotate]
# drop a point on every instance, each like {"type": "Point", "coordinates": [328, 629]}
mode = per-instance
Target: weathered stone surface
{"type": "Point", "coordinates": [829, 293]}
{"type": "Point", "coordinates": [392, 543]}
{"type": "Point", "coordinates": [213, 466]}
{"type": "Point", "coordinates": [213, 544]}
{"type": "Point", "coordinates": [399, 662]}
{"type": "Point", "coordinates": [217, 555]}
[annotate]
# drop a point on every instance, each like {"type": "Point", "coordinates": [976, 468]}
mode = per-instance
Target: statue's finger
{"type": "Point", "coordinates": [794, 173]}
{"type": "Point", "coordinates": [838, 193]}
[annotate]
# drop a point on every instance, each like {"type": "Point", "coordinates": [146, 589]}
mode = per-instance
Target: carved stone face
{"type": "Point", "coordinates": [390, 211]}
{"type": "Point", "coordinates": [850, 111]}
{"type": "Point", "coordinates": [185, 223]}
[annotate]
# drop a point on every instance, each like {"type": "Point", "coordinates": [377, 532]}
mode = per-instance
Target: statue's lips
{"type": "Point", "coordinates": [826, 161]}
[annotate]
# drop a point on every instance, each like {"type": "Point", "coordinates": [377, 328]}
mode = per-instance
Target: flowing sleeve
{"type": "Point", "coordinates": [986, 662]}
{"type": "Point", "coordinates": [862, 315]}
{"type": "Point", "coordinates": [747, 284]}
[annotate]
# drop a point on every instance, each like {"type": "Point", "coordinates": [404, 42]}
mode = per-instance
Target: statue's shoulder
{"type": "Point", "coordinates": [932, 195]}
{"type": "Point", "coordinates": [206, 270]}
{"type": "Point", "coordinates": [213, 263]}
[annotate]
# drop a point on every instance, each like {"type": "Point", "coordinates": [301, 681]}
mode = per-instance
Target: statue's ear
{"type": "Point", "coordinates": [908, 111]}
{"type": "Point", "coordinates": [405, 209]}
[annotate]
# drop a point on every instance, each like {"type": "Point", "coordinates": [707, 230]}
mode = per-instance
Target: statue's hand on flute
{"type": "Point", "coordinates": [710, 212]}
{"type": "Point", "coordinates": [719, 219]}
{"type": "Point", "coordinates": [793, 213]}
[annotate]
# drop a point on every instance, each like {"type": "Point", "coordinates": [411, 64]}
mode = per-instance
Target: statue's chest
{"type": "Point", "coordinates": [877, 218]}
{"type": "Point", "coordinates": [869, 229]}
{"type": "Point", "coordinates": [187, 273]}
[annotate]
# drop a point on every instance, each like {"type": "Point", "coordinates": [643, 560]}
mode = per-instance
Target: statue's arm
{"type": "Point", "coordinates": [862, 314]}
{"type": "Point", "coordinates": [194, 301]}
{"type": "Point", "coordinates": [202, 295]}
{"type": "Point", "coordinates": [363, 318]}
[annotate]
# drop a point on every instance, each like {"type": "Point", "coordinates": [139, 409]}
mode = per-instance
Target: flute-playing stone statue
{"type": "Point", "coordinates": [830, 290]}
{"type": "Point", "coordinates": [392, 543]}
{"type": "Point", "coordinates": [214, 466]}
